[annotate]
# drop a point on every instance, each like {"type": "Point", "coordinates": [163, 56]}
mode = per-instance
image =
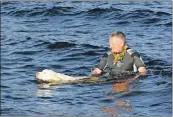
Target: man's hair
{"type": "Point", "coordinates": [119, 34]}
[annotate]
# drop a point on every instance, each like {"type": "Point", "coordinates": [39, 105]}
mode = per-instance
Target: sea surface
{"type": "Point", "coordinates": [71, 38]}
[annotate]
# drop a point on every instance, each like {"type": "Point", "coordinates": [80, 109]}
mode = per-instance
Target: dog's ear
{"type": "Point", "coordinates": [44, 70]}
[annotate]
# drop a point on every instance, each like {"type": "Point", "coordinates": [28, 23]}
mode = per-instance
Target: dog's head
{"type": "Point", "coordinates": [48, 75]}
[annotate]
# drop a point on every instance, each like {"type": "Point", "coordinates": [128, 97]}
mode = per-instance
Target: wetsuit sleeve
{"type": "Point", "coordinates": [103, 62]}
{"type": "Point", "coordinates": [138, 60]}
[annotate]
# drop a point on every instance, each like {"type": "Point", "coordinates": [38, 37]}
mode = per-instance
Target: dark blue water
{"type": "Point", "coordinates": [71, 37]}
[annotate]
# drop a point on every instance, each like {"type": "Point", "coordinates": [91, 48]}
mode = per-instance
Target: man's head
{"type": "Point", "coordinates": [117, 41]}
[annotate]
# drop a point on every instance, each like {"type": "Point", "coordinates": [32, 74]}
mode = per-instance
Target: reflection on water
{"type": "Point", "coordinates": [46, 90]}
{"type": "Point", "coordinates": [121, 87]}
{"type": "Point", "coordinates": [44, 93]}
{"type": "Point", "coordinates": [47, 85]}
{"type": "Point", "coordinates": [122, 106]}
{"type": "Point", "coordinates": [44, 85]}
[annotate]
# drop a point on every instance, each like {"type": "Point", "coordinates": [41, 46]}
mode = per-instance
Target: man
{"type": "Point", "coordinates": [120, 59]}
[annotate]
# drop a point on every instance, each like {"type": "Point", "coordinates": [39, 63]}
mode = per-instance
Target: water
{"type": "Point", "coordinates": [71, 37]}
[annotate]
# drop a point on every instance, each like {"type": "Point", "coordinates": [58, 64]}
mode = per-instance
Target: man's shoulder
{"type": "Point", "coordinates": [107, 54]}
{"type": "Point", "coordinates": [132, 52]}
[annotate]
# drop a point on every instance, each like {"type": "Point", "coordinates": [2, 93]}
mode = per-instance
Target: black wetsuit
{"type": "Point", "coordinates": [130, 63]}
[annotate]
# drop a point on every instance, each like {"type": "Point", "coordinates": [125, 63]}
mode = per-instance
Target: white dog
{"type": "Point", "coordinates": [53, 77]}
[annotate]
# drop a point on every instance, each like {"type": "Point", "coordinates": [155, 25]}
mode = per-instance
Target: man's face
{"type": "Point", "coordinates": [116, 44]}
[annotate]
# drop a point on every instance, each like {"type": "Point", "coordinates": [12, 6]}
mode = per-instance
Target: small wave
{"type": "Point", "coordinates": [161, 72]}
{"type": "Point", "coordinates": [156, 62]}
{"type": "Point", "coordinates": [169, 24]}
{"type": "Point", "coordinates": [82, 32]}
{"type": "Point", "coordinates": [102, 10]}
{"type": "Point", "coordinates": [123, 22]}
{"type": "Point", "coordinates": [161, 13]}
{"type": "Point", "coordinates": [133, 93]}
{"type": "Point", "coordinates": [4, 111]}
{"type": "Point", "coordinates": [19, 13]}
{"type": "Point", "coordinates": [120, 23]}
{"type": "Point", "coordinates": [159, 67]}
{"type": "Point", "coordinates": [14, 98]}
{"type": "Point", "coordinates": [28, 38]}
{"type": "Point", "coordinates": [4, 87]}
{"type": "Point", "coordinates": [36, 31]}
{"type": "Point", "coordinates": [6, 74]}
{"type": "Point", "coordinates": [82, 67]}
{"type": "Point", "coordinates": [57, 66]}
{"type": "Point", "coordinates": [59, 45]}
{"type": "Point", "coordinates": [43, 97]}
{"type": "Point", "coordinates": [106, 100]}
{"type": "Point", "coordinates": [78, 26]}
{"type": "Point", "coordinates": [40, 43]}
{"type": "Point", "coordinates": [32, 81]}
{"type": "Point", "coordinates": [28, 66]}
{"type": "Point", "coordinates": [157, 104]}
{"type": "Point", "coordinates": [90, 46]}
{"type": "Point", "coordinates": [144, 11]}
{"type": "Point", "coordinates": [151, 20]}
{"type": "Point", "coordinates": [42, 11]}
{"type": "Point", "coordinates": [58, 10]}
{"type": "Point", "coordinates": [70, 58]}
{"type": "Point", "coordinates": [12, 43]}
{"type": "Point", "coordinates": [27, 52]}
{"type": "Point", "coordinates": [88, 53]}
{"type": "Point", "coordinates": [161, 82]}
{"type": "Point", "coordinates": [139, 13]}
{"type": "Point", "coordinates": [8, 2]}
{"type": "Point", "coordinates": [37, 11]}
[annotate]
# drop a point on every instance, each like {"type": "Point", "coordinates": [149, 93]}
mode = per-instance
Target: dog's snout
{"type": "Point", "coordinates": [37, 74]}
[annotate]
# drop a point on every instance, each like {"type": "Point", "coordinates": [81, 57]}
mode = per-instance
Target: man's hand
{"type": "Point", "coordinates": [142, 70]}
{"type": "Point", "coordinates": [96, 72]}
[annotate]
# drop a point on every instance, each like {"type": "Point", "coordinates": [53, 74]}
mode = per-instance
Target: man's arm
{"type": "Point", "coordinates": [103, 62]}
{"type": "Point", "coordinates": [139, 63]}
{"type": "Point", "coordinates": [97, 71]}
